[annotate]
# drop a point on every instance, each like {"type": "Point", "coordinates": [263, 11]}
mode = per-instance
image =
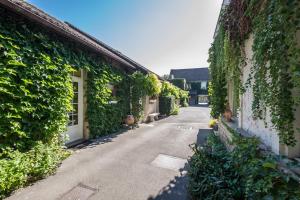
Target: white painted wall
{"type": "Point", "coordinates": [255, 127]}
{"type": "Point", "coordinates": [150, 107]}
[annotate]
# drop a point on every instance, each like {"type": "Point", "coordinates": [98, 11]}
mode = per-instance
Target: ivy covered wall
{"type": "Point", "coordinates": [275, 71]}
{"type": "Point", "coordinates": [105, 117]}
{"type": "Point", "coordinates": [35, 98]}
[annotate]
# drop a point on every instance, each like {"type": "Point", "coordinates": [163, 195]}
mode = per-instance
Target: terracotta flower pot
{"type": "Point", "coordinates": [228, 115]}
{"type": "Point", "coordinates": [129, 120]}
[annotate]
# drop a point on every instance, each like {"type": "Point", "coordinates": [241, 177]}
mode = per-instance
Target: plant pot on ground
{"type": "Point", "coordinates": [228, 113]}
{"type": "Point", "coordinates": [129, 120]}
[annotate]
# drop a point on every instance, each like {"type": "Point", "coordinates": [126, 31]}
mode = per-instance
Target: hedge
{"type": "Point", "coordinates": [167, 105]}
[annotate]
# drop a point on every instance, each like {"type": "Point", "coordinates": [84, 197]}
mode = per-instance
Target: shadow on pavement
{"type": "Point", "coordinates": [101, 140]}
{"type": "Point", "coordinates": [176, 189]}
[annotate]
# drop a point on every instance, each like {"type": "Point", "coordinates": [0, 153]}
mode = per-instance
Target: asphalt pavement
{"type": "Point", "coordinates": [148, 163]}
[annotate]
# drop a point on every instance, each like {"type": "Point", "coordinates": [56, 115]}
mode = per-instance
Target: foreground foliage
{"type": "Point", "coordinates": [242, 173]}
{"type": "Point", "coordinates": [17, 169]}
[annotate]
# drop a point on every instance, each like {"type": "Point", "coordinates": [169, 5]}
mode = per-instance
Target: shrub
{"type": "Point", "coordinates": [176, 110]}
{"type": "Point", "coordinates": [243, 173]}
{"type": "Point", "coordinates": [184, 95]}
{"type": "Point", "coordinates": [212, 123]}
{"type": "Point", "coordinates": [168, 89]}
{"type": "Point", "coordinates": [19, 169]}
{"type": "Point", "coordinates": [166, 105]}
{"type": "Point", "coordinates": [184, 103]}
{"type": "Point", "coordinates": [141, 86]}
{"type": "Point", "coordinates": [153, 85]}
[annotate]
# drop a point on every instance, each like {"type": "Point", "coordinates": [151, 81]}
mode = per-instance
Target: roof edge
{"type": "Point", "coordinates": [86, 40]}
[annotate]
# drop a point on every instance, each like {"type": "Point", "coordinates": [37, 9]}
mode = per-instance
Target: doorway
{"type": "Point", "coordinates": [75, 124]}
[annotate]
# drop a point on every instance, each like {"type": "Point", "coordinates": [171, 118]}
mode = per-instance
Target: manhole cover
{"type": "Point", "coordinates": [80, 192]}
{"type": "Point", "coordinates": [185, 127]}
{"type": "Point", "coordinates": [169, 162]}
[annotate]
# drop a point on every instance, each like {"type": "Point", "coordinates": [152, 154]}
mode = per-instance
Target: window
{"type": "Point", "coordinates": [73, 115]}
{"type": "Point", "coordinates": [203, 85]}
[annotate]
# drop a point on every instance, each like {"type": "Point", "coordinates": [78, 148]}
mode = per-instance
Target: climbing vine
{"type": "Point", "coordinates": [275, 75]}
{"type": "Point", "coordinates": [275, 59]}
{"type": "Point", "coordinates": [35, 98]}
{"type": "Point", "coordinates": [104, 116]}
{"type": "Point", "coordinates": [217, 88]}
{"type": "Point", "coordinates": [142, 85]}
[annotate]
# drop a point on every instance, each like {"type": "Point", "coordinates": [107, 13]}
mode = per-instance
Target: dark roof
{"type": "Point", "coordinates": [191, 74]}
{"type": "Point", "coordinates": [66, 30]}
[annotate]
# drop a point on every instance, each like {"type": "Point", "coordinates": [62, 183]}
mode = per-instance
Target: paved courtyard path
{"type": "Point", "coordinates": [145, 163]}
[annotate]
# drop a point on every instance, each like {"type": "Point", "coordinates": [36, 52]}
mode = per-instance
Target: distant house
{"type": "Point", "coordinates": [196, 81]}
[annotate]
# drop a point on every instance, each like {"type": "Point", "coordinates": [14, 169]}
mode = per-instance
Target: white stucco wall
{"type": "Point", "coordinates": [255, 127]}
{"type": "Point", "coordinates": [295, 151]}
{"type": "Point", "coordinates": [149, 107]}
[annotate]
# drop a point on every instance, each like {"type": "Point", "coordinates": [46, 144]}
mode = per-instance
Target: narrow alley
{"type": "Point", "coordinates": [144, 163]}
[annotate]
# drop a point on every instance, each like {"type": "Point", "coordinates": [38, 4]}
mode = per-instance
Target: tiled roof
{"type": "Point", "coordinates": [191, 74]}
{"type": "Point", "coordinates": [35, 14]}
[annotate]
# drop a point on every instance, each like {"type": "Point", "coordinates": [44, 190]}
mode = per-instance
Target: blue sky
{"type": "Point", "coordinates": [159, 34]}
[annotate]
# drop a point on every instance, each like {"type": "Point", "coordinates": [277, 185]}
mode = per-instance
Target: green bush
{"type": "Point", "coordinates": [142, 85]}
{"type": "Point", "coordinates": [166, 105]}
{"type": "Point", "coordinates": [18, 169]}
{"type": "Point", "coordinates": [153, 85]}
{"type": "Point", "coordinates": [168, 90]}
{"type": "Point", "coordinates": [243, 173]}
{"type": "Point", "coordinates": [184, 96]}
{"type": "Point", "coordinates": [175, 110]}
{"type": "Point", "coordinates": [184, 103]}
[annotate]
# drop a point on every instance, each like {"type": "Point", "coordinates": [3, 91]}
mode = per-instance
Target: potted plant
{"type": "Point", "coordinates": [228, 113]}
{"type": "Point", "coordinates": [129, 120]}
{"type": "Point", "coordinates": [213, 123]}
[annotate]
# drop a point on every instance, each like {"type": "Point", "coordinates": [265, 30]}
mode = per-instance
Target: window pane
{"type": "Point", "coordinates": [73, 115]}
{"type": "Point", "coordinates": [75, 87]}
{"type": "Point", "coordinates": [75, 119]}
{"type": "Point", "coordinates": [75, 109]}
{"type": "Point", "coordinates": [70, 119]}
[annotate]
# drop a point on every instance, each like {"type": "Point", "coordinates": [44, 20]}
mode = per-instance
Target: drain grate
{"type": "Point", "coordinates": [169, 162]}
{"type": "Point", "coordinates": [185, 127]}
{"type": "Point", "coordinates": [80, 192]}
